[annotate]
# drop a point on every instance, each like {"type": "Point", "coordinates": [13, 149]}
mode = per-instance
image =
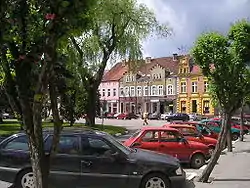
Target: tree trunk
{"type": "Point", "coordinates": [91, 106]}
{"type": "Point", "coordinates": [56, 118]}
{"type": "Point", "coordinates": [242, 122]}
{"type": "Point", "coordinates": [229, 140]}
{"type": "Point", "coordinates": [219, 147]}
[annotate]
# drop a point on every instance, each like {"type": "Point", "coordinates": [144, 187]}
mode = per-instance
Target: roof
{"type": "Point", "coordinates": [115, 73]}
{"type": "Point", "coordinates": [181, 126]}
{"type": "Point", "coordinates": [158, 128]}
{"type": "Point", "coordinates": [164, 62]}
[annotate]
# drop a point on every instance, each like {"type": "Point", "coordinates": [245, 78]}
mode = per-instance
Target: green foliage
{"type": "Point", "coordinates": [224, 59]}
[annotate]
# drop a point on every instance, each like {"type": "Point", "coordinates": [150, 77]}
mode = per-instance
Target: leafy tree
{"type": "Point", "coordinates": [223, 59]}
{"type": "Point", "coordinates": [117, 29]}
{"type": "Point", "coordinates": [30, 34]}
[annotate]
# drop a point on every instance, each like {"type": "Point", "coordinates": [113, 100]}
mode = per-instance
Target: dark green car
{"type": "Point", "coordinates": [215, 125]}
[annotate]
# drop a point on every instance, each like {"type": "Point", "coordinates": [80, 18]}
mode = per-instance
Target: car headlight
{"type": "Point", "coordinates": [179, 171]}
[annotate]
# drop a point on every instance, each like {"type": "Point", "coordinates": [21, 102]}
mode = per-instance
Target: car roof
{"type": "Point", "coordinates": [181, 126]}
{"type": "Point", "coordinates": [158, 128]}
{"type": "Point", "coordinates": [69, 130]}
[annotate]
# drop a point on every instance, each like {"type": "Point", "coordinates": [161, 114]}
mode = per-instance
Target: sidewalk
{"type": "Point", "coordinates": [233, 169]}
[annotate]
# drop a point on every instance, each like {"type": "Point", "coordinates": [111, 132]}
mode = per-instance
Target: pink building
{"type": "Point", "coordinates": [109, 87]}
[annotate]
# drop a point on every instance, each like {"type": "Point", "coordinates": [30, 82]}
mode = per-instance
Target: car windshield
{"type": "Point", "coordinates": [136, 134]}
{"type": "Point", "coordinates": [119, 145]}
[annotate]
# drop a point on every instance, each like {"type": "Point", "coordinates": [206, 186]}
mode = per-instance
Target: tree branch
{"type": "Point", "coordinates": [77, 47]}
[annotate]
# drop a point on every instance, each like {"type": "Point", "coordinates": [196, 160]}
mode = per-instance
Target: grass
{"type": "Point", "coordinates": [9, 127]}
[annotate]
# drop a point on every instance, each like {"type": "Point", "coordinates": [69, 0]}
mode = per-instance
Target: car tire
{"type": "Point", "coordinates": [197, 161]}
{"type": "Point", "coordinates": [235, 136]}
{"type": "Point", "coordinates": [211, 150]}
{"type": "Point", "coordinates": [157, 178]}
{"type": "Point", "coordinates": [24, 179]}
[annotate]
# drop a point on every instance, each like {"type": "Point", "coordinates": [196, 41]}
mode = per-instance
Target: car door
{"type": "Point", "coordinates": [149, 140]}
{"type": "Point", "coordinates": [65, 170]}
{"type": "Point", "coordinates": [15, 152]}
{"type": "Point", "coordinates": [171, 143]}
{"type": "Point", "coordinates": [100, 166]}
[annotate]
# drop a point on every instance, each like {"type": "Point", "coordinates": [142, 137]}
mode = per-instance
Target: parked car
{"type": "Point", "coordinates": [5, 115]}
{"type": "Point", "coordinates": [191, 133]}
{"type": "Point", "coordinates": [195, 117]}
{"type": "Point", "coordinates": [164, 116]}
{"type": "Point", "coordinates": [170, 141]}
{"type": "Point", "coordinates": [154, 116]}
{"type": "Point", "coordinates": [215, 125]}
{"type": "Point", "coordinates": [110, 116]}
{"type": "Point", "coordinates": [90, 159]}
{"type": "Point", "coordinates": [127, 116]}
{"type": "Point", "coordinates": [202, 128]}
{"type": "Point", "coordinates": [178, 117]}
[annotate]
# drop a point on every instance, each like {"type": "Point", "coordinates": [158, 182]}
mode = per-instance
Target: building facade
{"type": "Point", "coordinates": [109, 88]}
{"type": "Point", "coordinates": [192, 87]}
{"type": "Point", "coordinates": [152, 88]}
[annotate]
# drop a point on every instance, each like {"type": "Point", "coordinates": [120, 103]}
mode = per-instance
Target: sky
{"type": "Point", "coordinates": [190, 18]}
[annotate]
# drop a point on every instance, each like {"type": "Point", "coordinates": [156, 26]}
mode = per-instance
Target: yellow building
{"type": "Point", "coordinates": [192, 87]}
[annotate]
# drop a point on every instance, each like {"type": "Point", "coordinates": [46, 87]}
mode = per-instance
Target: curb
{"type": "Point", "coordinates": [200, 170]}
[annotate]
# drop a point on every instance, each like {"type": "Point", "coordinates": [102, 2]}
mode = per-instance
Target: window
{"type": "Point", "coordinates": [194, 87]}
{"type": "Point", "coordinates": [150, 136]}
{"type": "Point", "coordinates": [154, 76]}
{"type": "Point", "coordinates": [205, 86]}
{"type": "Point", "coordinates": [146, 91]}
{"type": "Point", "coordinates": [154, 90]}
{"type": "Point", "coordinates": [170, 90]}
{"type": "Point", "coordinates": [188, 131]}
{"type": "Point", "coordinates": [160, 76]}
{"type": "Point", "coordinates": [19, 143]}
{"type": "Point", "coordinates": [103, 92]}
{"type": "Point", "coordinates": [67, 144]}
{"type": "Point", "coordinates": [139, 92]}
{"type": "Point", "coordinates": [160, 89]}
{"type": "Point", "coordinates": [127, 78]}
{"type": "Point", "coordinates": [206, 106]}
{"type": "Point", "coordinates": [114, 92]}
{"type": "Point", "coordinates": [132, 91]}
{"type": "Point", "coordinates": [127, 91]}
{"type": "Point", "coordinates": [109, 93]}
{"type": "Point", "coordinates": [183, 106]}
{"type": "Point", "coordinates": [121, 91]}
{"type": "Point", "coordinates": [169, 136]}
{"type": "Point", "coordinates": [183, 87]}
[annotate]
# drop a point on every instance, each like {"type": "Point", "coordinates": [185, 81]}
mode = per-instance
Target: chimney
{"type": "Point", "coordinates": [175, 56]}
{"type": "Point", "coordinates": [148, 60]}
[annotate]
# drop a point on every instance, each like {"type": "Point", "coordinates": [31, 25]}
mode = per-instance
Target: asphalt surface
{"type": "Point", "coordinates": [132, 126]}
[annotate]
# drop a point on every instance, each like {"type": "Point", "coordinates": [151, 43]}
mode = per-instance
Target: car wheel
{"type": "Point", "coordinates": [25, 179]}
{"type": "Point", "coordinates": [197, 161]}
{"type": "Point", "coordinates": [211, 150]}
{"type": "Point", "coordinates": [235, 136]}
{"type": "Point", "coordinates": [155, 180]}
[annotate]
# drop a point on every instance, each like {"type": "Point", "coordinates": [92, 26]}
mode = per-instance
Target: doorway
{"type": "Point", "coordinates": [194, 106]}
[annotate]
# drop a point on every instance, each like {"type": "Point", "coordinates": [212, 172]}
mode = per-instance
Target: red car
{"type": "Point", "coordinates": [202, 128]}
{"type": "Point", "coordinates": [192, 134]}
{"type": "Point", "coordinates": [170, 141]}
{"type": "Point", "coordinates": [127, 116]}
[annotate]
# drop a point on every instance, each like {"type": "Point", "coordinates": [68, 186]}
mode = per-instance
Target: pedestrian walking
{"type": "Point", "coordinates": [145, 118]}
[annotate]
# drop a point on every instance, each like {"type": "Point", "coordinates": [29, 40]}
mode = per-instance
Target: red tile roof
{"type": "Point", "coordinates": [115, 73]}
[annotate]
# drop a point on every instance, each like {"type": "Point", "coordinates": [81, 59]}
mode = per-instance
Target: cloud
{"type": "Point", "coordinates": [190, 18]}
